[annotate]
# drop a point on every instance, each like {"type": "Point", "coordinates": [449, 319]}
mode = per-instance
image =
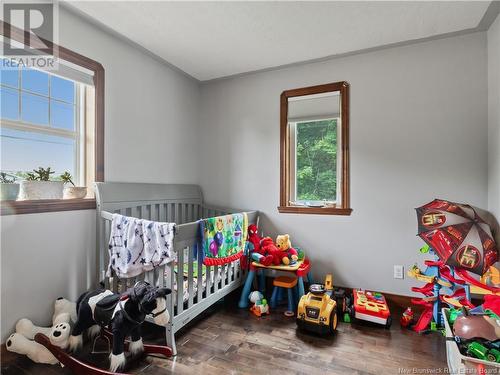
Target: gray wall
{"type": "Point", "coordinates": [418, 131]}
{"type": "Point", "coordinates": [494, 121]}
{"type": "Point", "coordinates": [151, 118]}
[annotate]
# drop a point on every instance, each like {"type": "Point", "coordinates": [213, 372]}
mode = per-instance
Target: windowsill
{"type": "Point", "coordinates": [45, 205]}
{"type": "Point", "coordinates": [314, 210]}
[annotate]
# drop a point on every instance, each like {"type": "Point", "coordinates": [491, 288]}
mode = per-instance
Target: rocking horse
{"type": "Point", "coordinates": [123, 315]}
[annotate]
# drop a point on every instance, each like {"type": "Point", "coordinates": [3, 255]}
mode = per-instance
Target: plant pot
{"type": "Point", "coordinates": [31, 190]}
{"type": "Point", "coordinates": [9, 192]}
{"type": "Point", "coordinates": [75, 192]}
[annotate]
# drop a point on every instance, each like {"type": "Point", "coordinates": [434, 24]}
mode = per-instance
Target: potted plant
{"type": "Point", "coordinates": [38, 185]}
{"type": "Point", "coordinates": [8, 187]}
{"type": "Point", "coordinates": [72, 192]}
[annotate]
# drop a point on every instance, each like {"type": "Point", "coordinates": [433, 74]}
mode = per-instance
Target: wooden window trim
{"type": "Point", "coordinates": [53, 205]}
{"type": "Point", "coordinates": [285, 207]}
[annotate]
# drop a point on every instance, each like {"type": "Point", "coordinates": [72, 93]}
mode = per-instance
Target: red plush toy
{"type": "Point", "coordinates": [268, 247]}
{"type": "Point", "coordinates": [259, 254]}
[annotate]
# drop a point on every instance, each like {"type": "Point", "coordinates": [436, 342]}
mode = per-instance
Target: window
{"type": "Point", "coordinates": [314, 150]}
{"type": "Point", "coordinates": [43, 123]}
{"type": "Point", "coordinates": [52, 118]}
{"type": "Point", "coordinates": [314, 167]}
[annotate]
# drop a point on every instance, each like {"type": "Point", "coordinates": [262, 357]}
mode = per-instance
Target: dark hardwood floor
{"type": "Point", "coordinates": [227, 340]}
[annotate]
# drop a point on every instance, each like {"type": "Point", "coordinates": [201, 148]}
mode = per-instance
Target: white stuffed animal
{"type": "Point", "coordinates": [58, 335]}
{"type": "Point", "coordinates": [17, 343]}
{"type": "Point", "coordinates": [22, 341]}
{"type": "Point", "coordinates": [26, 328]}
{"type": "Point", "coordinates": [63, 306]}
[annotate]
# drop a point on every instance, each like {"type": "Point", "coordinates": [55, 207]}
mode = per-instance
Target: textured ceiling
{"type": "Point", "coordinates": [210, 40]}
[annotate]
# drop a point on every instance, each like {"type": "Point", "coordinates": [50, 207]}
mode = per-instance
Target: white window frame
{"type": "Point", "coordinates": [292, 126]}
{"type": "Point", "coordinates": [78, 135]}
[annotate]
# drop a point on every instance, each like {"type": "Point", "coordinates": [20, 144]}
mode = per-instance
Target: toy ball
{"type": "Point", "coordinates": [255, 296]}
{"type": "Point", "coordinates": [264, 301]}
{"type": "Point", "coordinates": [219, 239]}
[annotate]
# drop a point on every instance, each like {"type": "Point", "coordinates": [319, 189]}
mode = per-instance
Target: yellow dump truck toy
{"type": "Point", "coordinates": [317, 310]}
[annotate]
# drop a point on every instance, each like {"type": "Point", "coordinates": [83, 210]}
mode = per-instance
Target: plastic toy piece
{"type": "Point", "coordinates": [417, 274]}
{"type": "Point", "coordinates": [424, 320]}
{"type": "Point", "coordinates": [372, 307]}
{"type": "Point", "coordinates": [260, 306]}
{"type": "Point", "coordinates": [463, 274]}
{"type": "Point", "coordinates": [445, 272]}
{"type": "Point", "coordinates": [407, 318]}
{"type": "Point", "coordinates": [287, 283]}
{"type": "Point", "coordinates": [427, 289]}
{"type": "Point", "coordinates": [317, 310]}
{"type": "Point", "coordinates": [457, 299]}
{"type": "Point", "coordinates": [491, 277]}
{"type": "Point", "coordinates": [475, 349]}
{"type": "Point", "coordinates": [492, 303]}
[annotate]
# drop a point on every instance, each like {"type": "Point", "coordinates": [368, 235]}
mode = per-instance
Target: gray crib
{"type": "Point", "coordinates": [183, 205]}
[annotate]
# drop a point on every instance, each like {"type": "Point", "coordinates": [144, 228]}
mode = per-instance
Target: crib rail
{"type": "Point", "coordinates": [191, 294]}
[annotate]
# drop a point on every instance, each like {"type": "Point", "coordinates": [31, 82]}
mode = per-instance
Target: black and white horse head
{"type": "Point", "coordinates": [151, 301]}
{"type": "Point", "coordinates": [123, 314]}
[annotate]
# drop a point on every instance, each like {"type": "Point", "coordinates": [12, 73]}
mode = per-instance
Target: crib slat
{"type": "Point", "coordinates": [222, 270]}
{"type": "Point", "coordinates": [225, 275]}
{"type": "Point", "coordinates": [178, 213]}
{"type": "Point", "coordinates": [190, 277]}
{"type": "Point", "coordinates": [191, 213]}
{"type": "Point", "coordinates": [208, 281]}
{"type": "Point", "coordinates": [230, 268]}
{"type": "Point", "coordinates": [161, 213]}
{"type": "Point", "coordinates": [197, 212]}
{"type": "Point", "coordinates": [169, 279]}
{"type": "Point", "coordinates": [154, 212]}
{"type": "Point", "coordinates": [156, 272]}
{"type": "Point", "coordinates": [171, 214]}
{"type": "Point", "coordinates": [180, 281]}
{"type": "Point", "coordinates": [185, 213]}
{"type": "Point", "coordinates": [104, 251]}
{"type": "Point", "coordinates": [137, 212]}
{"type": "Point", "coordinates": [200, 276]}
{"type": "Point", "coordinates": [216, 278]}
{"type": "Point", "coordinates": [160, 281]}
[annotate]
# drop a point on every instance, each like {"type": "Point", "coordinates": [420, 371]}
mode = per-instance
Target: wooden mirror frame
{"type": "Point", "coordinates": [285, 207]}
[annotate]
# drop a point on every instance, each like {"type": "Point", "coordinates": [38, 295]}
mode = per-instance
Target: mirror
{"type": "Point", "coordinates": [314, 152]}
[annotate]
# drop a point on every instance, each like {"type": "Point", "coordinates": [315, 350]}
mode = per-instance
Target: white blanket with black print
{"type": "Point", "coordinates": [138, 245]}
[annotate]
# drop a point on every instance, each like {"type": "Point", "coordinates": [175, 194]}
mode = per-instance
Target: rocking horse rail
{"type": "Point", "coordinates": [74, 365]}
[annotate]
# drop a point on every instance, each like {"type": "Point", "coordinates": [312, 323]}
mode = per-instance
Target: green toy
{"type": "Point", "coordinates": [425, 249]}
{"type": "Point", "coordinates": [477, 350]}
{"type": "Point", "coordinates": [454, 313]}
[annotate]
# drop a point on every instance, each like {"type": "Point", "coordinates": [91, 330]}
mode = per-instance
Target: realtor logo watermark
{"type": "Point", "coordinates": [30, 34]}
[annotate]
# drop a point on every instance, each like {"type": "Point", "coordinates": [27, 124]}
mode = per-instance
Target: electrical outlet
{"type": "Point", "coordinates": [398, 271]}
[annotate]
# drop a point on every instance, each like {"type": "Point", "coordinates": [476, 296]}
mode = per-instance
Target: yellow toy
{"type": "Point", "coordinates": [491, 277]}
{"type": "Point", "coordinates": [284, 244]}
{"type": "Point", "coordinates": [317, 310]}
